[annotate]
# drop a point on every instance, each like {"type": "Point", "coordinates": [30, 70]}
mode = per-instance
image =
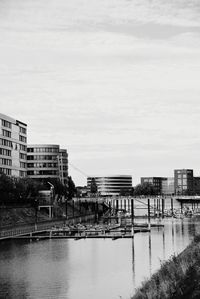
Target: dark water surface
{"type": "Point", "coordinates": [93, 268]}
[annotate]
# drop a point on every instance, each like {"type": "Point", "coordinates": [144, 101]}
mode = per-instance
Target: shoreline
{"type": "Point", "coordinates": [178, 277]}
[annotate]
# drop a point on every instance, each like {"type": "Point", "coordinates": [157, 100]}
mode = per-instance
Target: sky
{"type": "Point", "coordinates": [115, 82]}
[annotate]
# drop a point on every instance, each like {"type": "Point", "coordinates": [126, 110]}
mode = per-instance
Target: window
{"type": "Point", "coordinates": [6, 171]}
{"type": "Point", "coordinates": [22, 130]}
{"type": "Point", "coordinates": [5, 142]}
{"type": "Point", "coordinates": [4, 161]}
{"type": "Point", "coordinates": [6, 123]}
{"type": "Point", "coordinates": [22, 165]}
{"type": "Point", "coordinates": [30, 172]}
{"type": "Point", "coordinates": [6, 133]}
{"type": "Point", "coordinates": [22, 156]}
{"type": "Point", "coordinates": [30, 165]}
{"type": "Point", "coordinates": [30, 157]}
{"type": "Point", "coordinates": [30, 150]}
{"type": "Point", "coordinates": [22, 138]}
{"type": "Point", "coordinates": [5, 152]}
{"type": "Point", "coordinates": [22, 147]}
{"type": "Point", "coordinates": [184, 181]}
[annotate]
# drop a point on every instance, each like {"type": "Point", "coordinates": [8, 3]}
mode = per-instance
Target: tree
{"type": "Point", "coordinates": [71, 188]}
{"type": "Point", "coordinates": [145, 189]}
{"type": "Point", "coordinates": [126, 191]}
{"type": "Point", "coordinates": [6, 188]}
{"type": "Point", "coordinates": [93, 186]}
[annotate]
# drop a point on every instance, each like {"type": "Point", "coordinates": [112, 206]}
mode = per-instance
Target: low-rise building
{"type": "Point", "coordinates": [110, 185]}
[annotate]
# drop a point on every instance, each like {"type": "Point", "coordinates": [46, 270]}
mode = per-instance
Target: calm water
{"type": "Point", "coordinates": [89, 268]}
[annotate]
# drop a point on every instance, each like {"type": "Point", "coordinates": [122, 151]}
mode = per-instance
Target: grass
{"type": "Point", "coordinates": [178, 278]}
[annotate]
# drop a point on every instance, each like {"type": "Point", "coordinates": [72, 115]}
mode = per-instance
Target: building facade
{"type": "Point", "coordinates": [111, 185]}
{"type": "Point", "coordinates": [183, 181]}
{"type": "Point", "coordinates": [13, 146]}
{"type": "Point", "coordinates": [196, 185]}
{"type": "Point", "coordinates": [155, 181]}
{"type": "Point", "coordinates": [47, 161]}
{"type": "Point", "coordinates": [168, 186]}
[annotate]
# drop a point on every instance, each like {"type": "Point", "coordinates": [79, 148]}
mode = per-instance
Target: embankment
{"type": "Point", "coordinates": [178, 278]}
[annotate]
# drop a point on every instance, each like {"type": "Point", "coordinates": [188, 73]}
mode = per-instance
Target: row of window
{"type": "Point", "coordinates": [43, 150]}
{"type": "Point", "coordinates": [6, 123]}
{"type": "Point", "coordinates": [13, 145]}
{"type": "Point", "coordinates": [5, 152]}
{"type": "Point", "coordinates": [5, 170]}
{"type": "Point", "coordinates": [23, 165]}
{"type": "Point", "coordinates": [42, 157]}
{"type": "Point", "coordinates": [64, 168]}
{"type": "Point", "coordinates": [6, 133]}
{"type": "Point", "coordinates": [23, 156]}
{"type": "Point", "coordinates": [42, 172]}
{"type": "Point", "coordinates": [5, 142]}
{"type": "Point", "coordinates": [44, 165]}
{"type": "Point", "coordinates": [64, 161]}
{"type": "Point", "coordinates": [22, 138]}
{"type": "Point", "coordinates": [4, 161]}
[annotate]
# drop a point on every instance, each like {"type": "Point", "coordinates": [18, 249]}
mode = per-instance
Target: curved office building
{"type": "Point", "coordinates": [47, 161]}
{"type": "Point", "coordinates": [110, 185]}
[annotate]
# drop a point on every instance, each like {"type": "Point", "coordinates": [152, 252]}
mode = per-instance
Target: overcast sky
{"type": "Point", "coordinates": [116, 82]}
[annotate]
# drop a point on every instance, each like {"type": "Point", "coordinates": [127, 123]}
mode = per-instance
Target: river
{"type": "Point", "coordinates": [91, 268]}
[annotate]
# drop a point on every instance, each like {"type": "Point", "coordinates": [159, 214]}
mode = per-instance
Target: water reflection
{"type": "Point", "coordinates": [89, 268]}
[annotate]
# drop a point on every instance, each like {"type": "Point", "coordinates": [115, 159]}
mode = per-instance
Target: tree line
{"type": "Point", "coordinates": [24, 191]}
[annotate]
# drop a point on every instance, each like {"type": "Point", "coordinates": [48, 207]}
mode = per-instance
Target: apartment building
{"type": "Point", "coordinates": [47, 161]}
{"type": "Point", "coordinates": [13, 146]}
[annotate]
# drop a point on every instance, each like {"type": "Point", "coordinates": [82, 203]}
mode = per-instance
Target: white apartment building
{"type": "Point", "coordinates": [13, 146]}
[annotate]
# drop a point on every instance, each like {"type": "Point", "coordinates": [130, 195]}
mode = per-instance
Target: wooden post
{"type": "Point", "coordinates": [117, 205]}
{"type": "Point", "coordinates": [163, 207]}
{"type": "Point", "coordinates": [172, 206]}
{"type": "Point", "coordinates": [132, 211]}
{"type": "Point", "coordinates": [181, 207]}
{"type": "Point", "coordinates": [125, 204]}
{"type": "Point", "coordinates": [149, 224]}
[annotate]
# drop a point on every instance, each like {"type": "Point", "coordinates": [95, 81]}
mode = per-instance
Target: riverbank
{"type": "Point", "coordinates": [178, 278]}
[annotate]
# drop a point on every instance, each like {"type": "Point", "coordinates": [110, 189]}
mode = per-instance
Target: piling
{"type": "Point", "coordinates": [154, 200]}
{"type": "Point", "coordinates": [117, 205]}
{"type": "Point", "coordinates": [181, 207]}
{"type": "Point", "coordinates": [132, 211]}
{"type": "Point", "coordinates": [163, 207]}
{"type": "Point", "coordinates": [172, 206]}
{"type": "Point", "coordinates": [149, 224]}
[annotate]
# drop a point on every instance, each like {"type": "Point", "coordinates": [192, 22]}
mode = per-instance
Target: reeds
{"type": "Point", "coordinates": [178, 278]}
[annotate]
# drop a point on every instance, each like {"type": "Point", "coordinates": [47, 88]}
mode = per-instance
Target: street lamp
{"type": "Point", "coordinates": [52, 189]}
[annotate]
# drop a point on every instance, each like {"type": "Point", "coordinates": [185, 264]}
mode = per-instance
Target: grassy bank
{"type": "Point", "coordinates": [178, 278]}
